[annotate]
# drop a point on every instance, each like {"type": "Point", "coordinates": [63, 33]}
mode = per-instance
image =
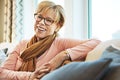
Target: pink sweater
{"type": "Point", "coordinates": [77, 49]}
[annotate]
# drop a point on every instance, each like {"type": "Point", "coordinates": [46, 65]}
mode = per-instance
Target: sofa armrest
{"type": "Point", "coordinates": [98, 50]}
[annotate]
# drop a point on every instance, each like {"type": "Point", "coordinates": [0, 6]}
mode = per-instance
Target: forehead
{"type": "Point", "coordinates": [48, 13]}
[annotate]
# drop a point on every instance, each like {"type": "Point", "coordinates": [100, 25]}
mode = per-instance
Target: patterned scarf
{"type": "Point", "coordinates": [33, 51]}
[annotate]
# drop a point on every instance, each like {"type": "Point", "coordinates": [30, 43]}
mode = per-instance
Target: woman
{"type": "Point", "coordinates": [32, 59]}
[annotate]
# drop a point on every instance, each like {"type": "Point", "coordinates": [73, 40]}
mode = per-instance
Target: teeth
{"type": "Point", "coordinates": [41, 28]}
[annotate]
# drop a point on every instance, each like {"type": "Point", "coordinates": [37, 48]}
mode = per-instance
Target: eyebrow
{"type": "Point", "coordinates": [45, 17]}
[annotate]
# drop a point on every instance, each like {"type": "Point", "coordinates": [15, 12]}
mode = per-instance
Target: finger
{"type": "Point", "coordinates": [36, 79]}
{"type": "Point", "coordinates": [41, 68]}
{"type": "Point", "coordinates": [46, 64]}
{"type": "Point", "coordinates": [40, 76]}
{"type": "Point", "coordinates": [52, 69]}
{"type": "Point", "coordinates": [44, 71]}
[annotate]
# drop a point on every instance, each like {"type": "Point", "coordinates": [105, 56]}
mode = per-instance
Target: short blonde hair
{"type": "Point", "coordinates": [48, 6]}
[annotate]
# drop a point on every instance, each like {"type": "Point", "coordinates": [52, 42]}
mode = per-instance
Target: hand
{"type": "Point", "coordinates": [58, 60]}
{"type": "Point", "coordinates": [37, 74]}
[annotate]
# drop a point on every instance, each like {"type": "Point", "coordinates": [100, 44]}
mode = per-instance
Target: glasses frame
{"type": "Point", "coordinates": [47, 21]}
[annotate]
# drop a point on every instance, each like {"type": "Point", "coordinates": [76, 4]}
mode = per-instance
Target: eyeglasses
{"type": "Point", "coordinates": [47, 21]}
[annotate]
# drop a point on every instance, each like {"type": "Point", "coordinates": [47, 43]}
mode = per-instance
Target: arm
{"type": "Point", "coordinates": [9, 70]}
{"type": "Point", "coordinates": [76, 49]}
{"type": "Point", "coordinates": [58, 60]}
{"type": "Point", "coordinates": [13, 75]}
{"type": "Point", "coordinates": [11, 61]}
{"type": "Point", "coordinates": [80, 51]}
{"type": "Point", "coordinates": [13, 56]}
{"type": "Point", "coordinates": [23, 75]}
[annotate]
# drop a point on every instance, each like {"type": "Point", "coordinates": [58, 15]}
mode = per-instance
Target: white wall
{"type": "Point", "coordinates": [77, 19]}
{"type": "Point", "coordinates": [80, 19]}
{"type": "Point", "coordinates": [28, 18]}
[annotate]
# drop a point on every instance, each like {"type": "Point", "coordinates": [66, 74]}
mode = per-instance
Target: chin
{"type": "Point", "coordinates": [40, 36]}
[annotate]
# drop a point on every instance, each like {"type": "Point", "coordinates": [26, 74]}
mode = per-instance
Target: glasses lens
{"type": "Point", "coordinates": [38, 17]}
{"type": "Point", "coordinates": [47, 21]}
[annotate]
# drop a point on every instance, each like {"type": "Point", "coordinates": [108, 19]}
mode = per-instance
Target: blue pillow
{"type": "Point", "coordinates": [114, 67]}
{"type": "Point", "coordinates": [93, 70]}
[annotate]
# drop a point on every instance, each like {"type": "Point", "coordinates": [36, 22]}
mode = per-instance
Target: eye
{"type": "Point", "coordinates": [40, 17]}
{"type": "Point", "coordinates": [49, 20]}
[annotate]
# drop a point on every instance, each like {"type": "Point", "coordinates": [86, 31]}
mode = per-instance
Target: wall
{"type": "Point", "coordinates": [80, 18]}
{"type": "Point", "coordinates": [1, 19]}
{"type": "Point", "coordinates": [28, 18]}
{"type": "Point", "coordinates": [76, 19]}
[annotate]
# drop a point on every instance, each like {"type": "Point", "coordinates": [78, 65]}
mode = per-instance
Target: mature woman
{"type": "Point", "coordinates": [44, 52]}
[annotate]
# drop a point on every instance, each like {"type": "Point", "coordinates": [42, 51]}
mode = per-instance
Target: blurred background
{"type": "Point", "coordinates": [84, 19]}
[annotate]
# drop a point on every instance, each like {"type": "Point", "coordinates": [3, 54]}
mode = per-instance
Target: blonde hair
{"type": "Point", "coordinates": [48, 6]}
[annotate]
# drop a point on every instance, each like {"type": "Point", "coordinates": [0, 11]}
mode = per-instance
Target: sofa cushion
{"type": "Point", "coordinates": [114, 67]}
{"type": "Point", "coordinates": [98, 50]}
{"type": "Point", "coordinates": [93, 70]}
{"type": "Point", "coordinates": [5, 49]}
{"type": "Point", "coordinates": [3, 55]}
{"type": "Point", "coordinates": [8, 45]}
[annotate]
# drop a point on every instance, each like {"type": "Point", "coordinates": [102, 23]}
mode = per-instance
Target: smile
{"type": "Point", "coordinates": [41, 29]}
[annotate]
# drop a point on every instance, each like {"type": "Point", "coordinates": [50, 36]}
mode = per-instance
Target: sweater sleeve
{"type": "Point", "coordinates": [13, 75]}
{"type": "Point", "coordinates": [11, 61]}
{"type": "Point", "coordinates": [80, 51]}
{"type": "Point", "coordinates": [8, 70]}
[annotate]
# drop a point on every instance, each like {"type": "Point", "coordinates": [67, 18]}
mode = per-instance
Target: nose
{"type": "Point", "coordinates": [42, 22]}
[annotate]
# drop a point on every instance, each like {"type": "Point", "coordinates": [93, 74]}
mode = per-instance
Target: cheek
{"type": "Point", "coordinates": [35, 26]}
{"type": "Point", "coordinates": [53, 29]}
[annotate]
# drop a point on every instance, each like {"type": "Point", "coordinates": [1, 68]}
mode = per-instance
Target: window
{"type": "Point", "coordinates": [105, 19]}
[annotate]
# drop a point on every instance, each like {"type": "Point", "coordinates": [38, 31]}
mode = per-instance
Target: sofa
{"type": "Point", "coordinates": [102, 63]}
{"type": "Point", "coordinates": [97, 52]}
{"type": "Point", "coordinates": [5, 49]}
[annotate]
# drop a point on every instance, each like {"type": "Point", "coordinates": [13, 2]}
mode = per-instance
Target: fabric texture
{"type": "Point", "coordinates": [93, 70]}
{"type": "Point", "coordinates": [114, 68]}
{"type": "Point", "coordinates": [13, 20]}
{"type": "Point", "coordinates": [35, 49]}
{"type": "Point", "coordinates": [80, 48]}
{"type": "Point", "coordinates": [3, 55]}
{"type": "Point", "coordinates": [98, 50]}
{"type": "Point", "coordinates": [9, 11]}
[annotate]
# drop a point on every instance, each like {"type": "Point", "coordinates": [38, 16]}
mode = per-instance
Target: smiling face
{"type": "Point", "coordinates": [49, 18]}
{"type": "Point", "coordinates": [44, 24]}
